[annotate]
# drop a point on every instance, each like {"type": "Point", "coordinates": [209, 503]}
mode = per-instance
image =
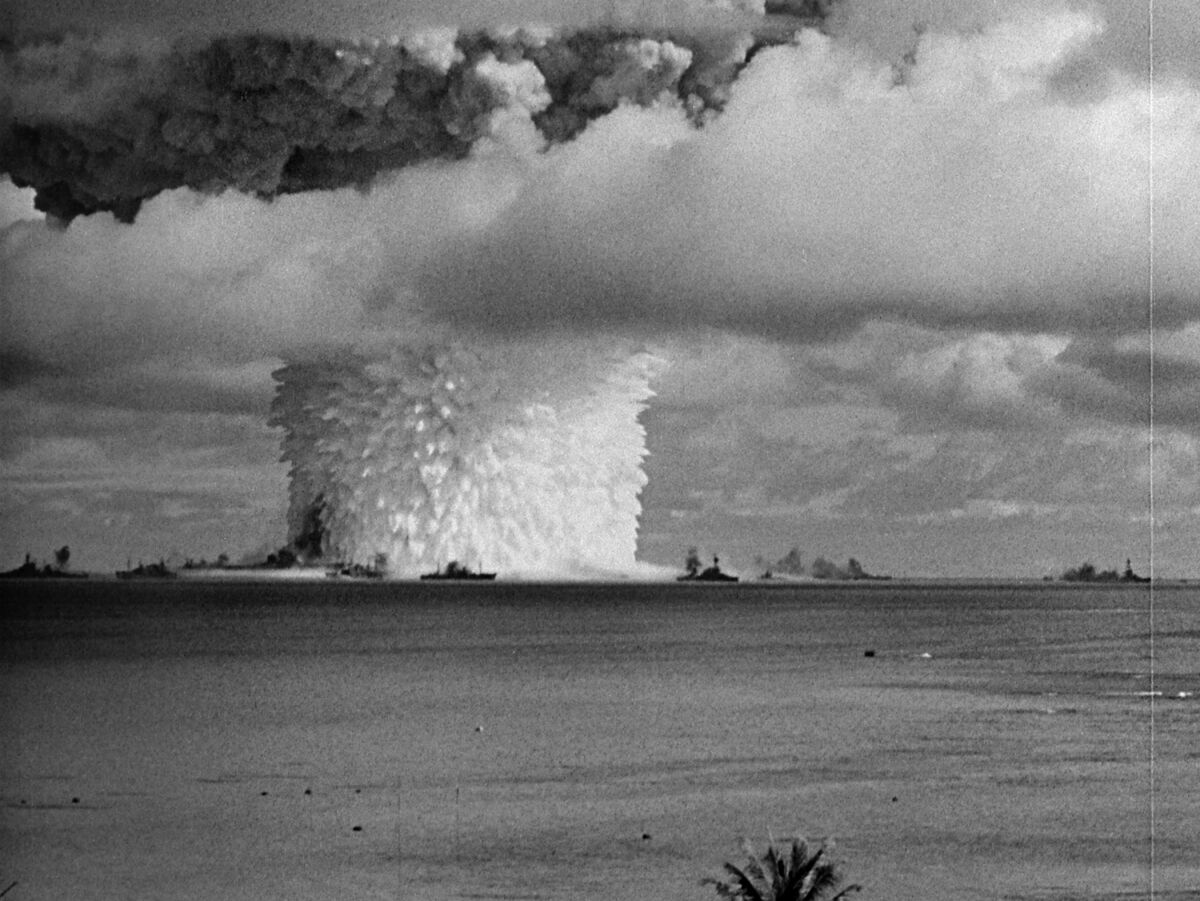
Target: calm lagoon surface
{"type": "Point", "coordinates": [239, 741]}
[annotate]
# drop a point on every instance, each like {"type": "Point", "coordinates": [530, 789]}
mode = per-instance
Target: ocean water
{"type": "Point", "coordinates": [188, 740]}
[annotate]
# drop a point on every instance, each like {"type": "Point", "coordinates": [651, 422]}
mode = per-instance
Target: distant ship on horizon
{"type": "Point", "coordinates": [30, 570]}
{"type": "Point", "coordinates": [152, 571]}
{"type": "Point", "coordinates": [457, 571]}
{"type": "Point", "coordinates": [709, 574]}
{"type": "Point", "coordinates": [354, 571]}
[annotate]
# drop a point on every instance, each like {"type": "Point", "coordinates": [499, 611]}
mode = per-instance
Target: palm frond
{"type": "Point", "coordinates": [754, 869]}
{"type": "Point", "coordinates": [775, 869]}
{"type": "Point", "coordinates": [846, 891]}
{"type": "Point", "coordinates": [783, 872]}
{"type": "Point", "coordinates": [745, 884]}
{"type": "Point", "coordinates": [800, 854]}
{"type": "Point", "coordinates": [823, 880]}
{"type": "Point", "coordinates": [723, 889]}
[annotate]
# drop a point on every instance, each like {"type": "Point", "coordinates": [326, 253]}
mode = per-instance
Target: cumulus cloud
{"type": "Point", "coordinates": [231, 278]}
{"type": "Point", "coordinates": [1015, 382]}
{"type": "Point", "coordinates": [887, 26]}
{"type": "Point", "coordinates": [827, 194]}
{"type": "Point", "coordinates": [984, 380]}
{"type": "Point", "coordinates": [16, 204]}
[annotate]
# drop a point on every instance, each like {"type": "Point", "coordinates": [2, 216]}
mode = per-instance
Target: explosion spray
{"type": "Point", "coordinates": [515, 458]}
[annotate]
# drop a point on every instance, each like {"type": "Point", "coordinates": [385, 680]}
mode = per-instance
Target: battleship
{"type": "Point", "coordinates": [457, 571]}
{"type": "Point", "coordinates": [708, 574]}
{"type": "Point", "coordinates": [158, 570]}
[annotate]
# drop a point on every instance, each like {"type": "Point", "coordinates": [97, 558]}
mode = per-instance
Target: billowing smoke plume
{"type": "Point", "coordinates": [101, 124]}
{"type": "Point", "coordinates": [523, 459]}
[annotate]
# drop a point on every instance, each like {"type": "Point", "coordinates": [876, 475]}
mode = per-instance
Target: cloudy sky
{"type": "Point", "coordinates": [927, 281]}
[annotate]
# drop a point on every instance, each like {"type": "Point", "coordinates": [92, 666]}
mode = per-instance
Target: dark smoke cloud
{"type": "Point", "coordinates": [101, 124]}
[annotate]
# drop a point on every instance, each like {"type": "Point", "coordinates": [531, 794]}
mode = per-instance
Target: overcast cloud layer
{"type": "Point", "coordinates": [938, 251]}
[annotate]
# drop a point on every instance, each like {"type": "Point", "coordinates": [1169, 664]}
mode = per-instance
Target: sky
{"type": "Point", "coordinates": [926, 282]}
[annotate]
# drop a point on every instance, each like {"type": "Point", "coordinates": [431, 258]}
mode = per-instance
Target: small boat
{"type": "Point", "coordinates": [456, 571]}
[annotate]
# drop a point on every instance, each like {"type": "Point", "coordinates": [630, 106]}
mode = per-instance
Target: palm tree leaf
{"type": "Point", "coordinates": [775, 866]}
{"type": "Point", "coordinates": [783, 873]}
{"type": "Point", "coordinates": [723, 889]}
{"type": "Point", "coordinates": [745, 884]}
{"type": "Point", "coordinates": [824, 880]}
{"type": "Point", "coordinates": [799, 854]}
{"type": "Point", "coordinates": [754, 869]}
{"type": "Point", "coordinates": [810, 864]}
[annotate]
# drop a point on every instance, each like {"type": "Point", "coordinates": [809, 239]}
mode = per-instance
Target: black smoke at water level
{"type": "Point", "coordinates": [98, 124]}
